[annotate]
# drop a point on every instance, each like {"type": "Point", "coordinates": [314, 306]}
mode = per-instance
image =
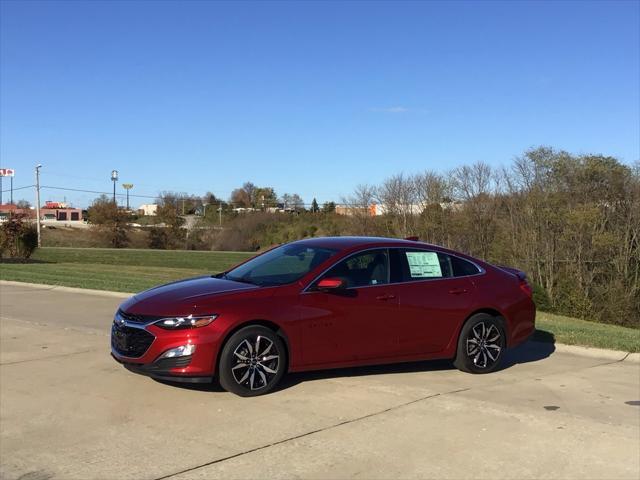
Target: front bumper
{"type": "Point", "coordinates": [164, 369]}
{"type": "Point", "coordinates": [139, 347]}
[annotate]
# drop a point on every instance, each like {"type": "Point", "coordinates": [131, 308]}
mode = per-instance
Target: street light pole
{"type": "Point", "coordinates": [38, 202]}
{"type": "Point", "coordinates": [114, 179]}
{"type": "Point", "coordinates": [127, 187]}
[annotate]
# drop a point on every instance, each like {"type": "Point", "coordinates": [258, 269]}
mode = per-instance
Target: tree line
{"type": "Point", "coordinates": [572, 222]}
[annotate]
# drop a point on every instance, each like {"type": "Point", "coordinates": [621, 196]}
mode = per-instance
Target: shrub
{"type": "Point", "coordinates": [18, 237]}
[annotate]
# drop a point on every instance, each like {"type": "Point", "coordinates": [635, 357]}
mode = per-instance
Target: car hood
{"type": "Point", "coordinates": [182, 297]}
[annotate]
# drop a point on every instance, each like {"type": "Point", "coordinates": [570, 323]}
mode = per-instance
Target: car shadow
{"type": "Point", "coordinates": [538, 348]}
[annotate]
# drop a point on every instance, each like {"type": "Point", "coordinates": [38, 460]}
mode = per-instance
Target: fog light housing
{"type": "Point", "coordinates": [181, 351]}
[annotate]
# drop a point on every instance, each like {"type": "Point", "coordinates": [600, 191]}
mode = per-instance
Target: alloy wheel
{"type": "Point", "coordinates": [256, 362]}
{"type": "Point", "coordinates": [484, 345]}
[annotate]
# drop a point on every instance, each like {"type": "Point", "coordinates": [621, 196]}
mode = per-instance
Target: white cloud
{"type": "Point", "coordinates": [394, 109]}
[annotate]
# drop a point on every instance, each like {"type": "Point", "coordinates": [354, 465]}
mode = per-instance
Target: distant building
{"type": "Point", "coordinates": [148, 209]}
{"type": "Point", "coordinates": [7, 209]}
{"type": "Point", "coordinates": [60, 212]}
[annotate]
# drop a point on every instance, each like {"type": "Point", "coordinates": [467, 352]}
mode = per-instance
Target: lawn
{"type": "Point", "coordinates": [130, 270]}
{"type": "Point", "coordinates": [121, 270]}
{"type": "Point", "coordinates": [573, 331]}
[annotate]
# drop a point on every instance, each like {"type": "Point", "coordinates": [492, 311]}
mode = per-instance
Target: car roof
{"type": "Point", "coordinates": [345, 243]}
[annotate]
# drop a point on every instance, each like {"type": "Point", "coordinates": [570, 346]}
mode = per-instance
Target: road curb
{"type": "Point", "coordinates": [44, 286]}
{"type": "Point", "coordinates": [601, 353]}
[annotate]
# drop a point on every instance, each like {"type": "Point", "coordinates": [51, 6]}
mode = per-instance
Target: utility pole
{"type": "Point", "coordinates": [11, 202]}
{"type": "Point", "coordinates": [127, 187]}
{"type": "Point", "coordinates": [38, 202]}
{"type": "Point", "coordinates": [114, 179]}
{"type": "Point", "coordinates": [220, 213]}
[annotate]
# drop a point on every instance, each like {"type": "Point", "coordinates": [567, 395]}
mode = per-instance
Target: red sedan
{"type": "Point", "coordinates": [325, 303]}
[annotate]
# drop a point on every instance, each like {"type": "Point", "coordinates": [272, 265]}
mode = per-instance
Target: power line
{"type": "Point", "coordinates": [154, 197]}
{"type": "Point", "coordinates": [19, 188]}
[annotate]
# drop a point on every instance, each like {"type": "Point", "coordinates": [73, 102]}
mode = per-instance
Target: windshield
{"type": "Point", "coordinates": [282, 265]}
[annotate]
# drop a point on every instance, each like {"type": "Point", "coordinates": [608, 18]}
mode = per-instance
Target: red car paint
{"type": "Point", "coordinates": [387, 323]}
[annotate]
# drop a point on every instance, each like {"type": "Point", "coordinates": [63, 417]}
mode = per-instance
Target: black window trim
{"type": "Point", "coordinates": [481, 271]}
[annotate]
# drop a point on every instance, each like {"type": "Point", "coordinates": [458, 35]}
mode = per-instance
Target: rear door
{"type": "Point", "coordinates": [433, 301]}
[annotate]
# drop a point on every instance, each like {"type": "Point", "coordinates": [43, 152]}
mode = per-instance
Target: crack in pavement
{"type": "Point", "coordinates": [346, 422]}
{"type": "Point", "coordinates": [312, 432]}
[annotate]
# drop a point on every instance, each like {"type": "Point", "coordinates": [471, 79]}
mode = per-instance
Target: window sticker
{"type": "Point", "coordinates": [424, 264]}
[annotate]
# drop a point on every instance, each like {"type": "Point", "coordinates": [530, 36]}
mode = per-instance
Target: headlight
{"type": "Point", "coordinates": [176, 323]}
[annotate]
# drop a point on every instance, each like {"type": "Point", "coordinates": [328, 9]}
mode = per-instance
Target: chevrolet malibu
{"type": "Point", "coordinates": [325, 303]}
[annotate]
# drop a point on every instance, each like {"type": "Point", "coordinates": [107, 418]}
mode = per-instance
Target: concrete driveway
{"type": "Point", "coordinates": [69, 411]}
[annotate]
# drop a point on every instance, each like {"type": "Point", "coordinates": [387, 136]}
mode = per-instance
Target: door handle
{"type": "Point", "coordinates": [385, 297]}
{"type": "Point", "coordinates": [457, 291]}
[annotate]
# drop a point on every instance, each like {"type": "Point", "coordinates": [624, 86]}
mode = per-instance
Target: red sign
{"type": "Point", "coordinates": [7, 172]}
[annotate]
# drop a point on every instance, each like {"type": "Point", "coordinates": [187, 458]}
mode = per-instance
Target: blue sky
{"type": "Point", "coordinates": [306, 97]}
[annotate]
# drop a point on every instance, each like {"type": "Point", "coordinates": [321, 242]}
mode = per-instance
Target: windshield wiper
{"type": "Point", "coordinates": [239, 280]}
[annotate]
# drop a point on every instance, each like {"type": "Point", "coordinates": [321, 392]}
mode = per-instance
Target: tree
{"type": "Point", "coordinates": [24, 204]}
{"type": "Point", "coordinates": [173, 235]}
{"type": "Point", "coordinates": [265, 197]}
{"type": "Point", "coordinates": [250, 188]}
{"type": "Point", "coordinates": [240, 198]}
{"type": "Point", "coordinates": [314, 206]}
{"type": "Point", "coordinates": [110, 220]}
{"type": "Point", "coordinates": [18, 237]}
{"type": "Point", "coordinates": [328, 207]}
{"type": "Point", "coordinates": [359, 205]}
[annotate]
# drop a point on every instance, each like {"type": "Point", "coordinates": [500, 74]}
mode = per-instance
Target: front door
{"type": "Point", "coordinates": [355, 323]}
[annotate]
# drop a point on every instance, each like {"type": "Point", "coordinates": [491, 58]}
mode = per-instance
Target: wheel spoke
{"type": "Point", "coordinates": [493, 359]}
{"type": "Point", "coordinates": [240, 365]}
{"type": "Point", "coordinates": [245, 376]}
{"type": "Point", "coordinates": [251, 379]}
{"type": "Point", "coordinates": [263, 377]}
{"type": "Point", "coordinates": [266, 350]}
{"type": "Point", "coordinates": [475, 359]}
{"type": "Point", "coordinates": [241, 357]}
{"type": "Point", "coordinates": [258, 344]}
{"type": "Point", "coordinates": [248, 346]}
{"type": "Point", "coordinates": [267, 369]}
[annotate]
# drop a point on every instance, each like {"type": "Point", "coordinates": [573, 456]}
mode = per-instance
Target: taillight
{"type": "Point", "coordinates": [525, 287]}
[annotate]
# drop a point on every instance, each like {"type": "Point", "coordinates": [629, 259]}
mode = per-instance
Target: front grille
{"type": "Point", "coordinates": [131, 318]}
{"type": "Point", "coordinates": [129, 341]}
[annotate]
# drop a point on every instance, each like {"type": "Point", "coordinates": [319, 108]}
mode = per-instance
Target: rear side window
{"type": "Point", "coordinates": [412, 265]}
{"type": "Point", "coordinates": [462, 268]}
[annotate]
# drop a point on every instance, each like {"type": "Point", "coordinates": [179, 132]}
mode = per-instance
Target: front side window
{"type": "Point", "coordinates": [282, 265]}
{"type": "Point", "coordinates": [363, 269]}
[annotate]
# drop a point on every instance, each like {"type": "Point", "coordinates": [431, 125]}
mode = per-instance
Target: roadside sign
{"type": "Point", "coordinates": [7, 172]}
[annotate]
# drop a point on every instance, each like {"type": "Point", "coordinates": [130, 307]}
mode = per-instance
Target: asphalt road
{"type": "Point", "coordinates": [67, 410]}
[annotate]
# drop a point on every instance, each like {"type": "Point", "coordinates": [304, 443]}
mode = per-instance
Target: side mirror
{"type": "Point", "coordinates": [331, 284]}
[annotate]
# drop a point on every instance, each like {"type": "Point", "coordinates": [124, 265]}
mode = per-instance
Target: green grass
{"type": "Point", "coordinates": [129, 270]}
{"type": "Point", "coordinates": [573, 331]}
{"type": "Point", "coordinates": [121, 270]}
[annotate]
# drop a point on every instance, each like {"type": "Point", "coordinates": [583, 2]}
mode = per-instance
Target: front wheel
{"type": "Point", "coordinates": [252, 361]}
{"type": "Point", "coordinates": [481, 344]}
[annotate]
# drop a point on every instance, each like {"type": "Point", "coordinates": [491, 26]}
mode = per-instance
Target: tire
{"type": "Point", "coordinates": [481, 344]}
{"type": "Point", "coordinates": [248, 373]}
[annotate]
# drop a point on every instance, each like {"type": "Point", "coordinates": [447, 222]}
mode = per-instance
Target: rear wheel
{"type": "Point", "coordinates": [481, 344]}
{"type": "Point", "coordinates": [252, 361]}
